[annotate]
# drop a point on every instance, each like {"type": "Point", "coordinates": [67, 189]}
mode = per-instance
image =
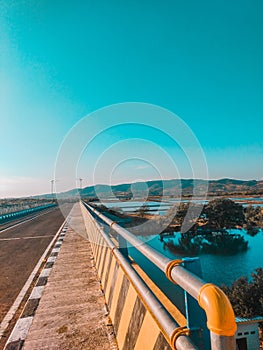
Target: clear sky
{"type": "Point", "coordinates": [61, 60]}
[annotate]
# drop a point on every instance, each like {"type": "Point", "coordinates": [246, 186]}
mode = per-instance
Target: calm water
{"type": "Point", "coordinates": [217, 269]}
{"type": "Point", "coordinates": [221, 269]}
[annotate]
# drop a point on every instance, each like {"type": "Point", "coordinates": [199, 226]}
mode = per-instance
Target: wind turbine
{"type": "Point", "coordinates": [52, 186]}
{"type": "Point", "coordinates": [80, 183]}
{"type": "Point", "coordinates": [53, 181]}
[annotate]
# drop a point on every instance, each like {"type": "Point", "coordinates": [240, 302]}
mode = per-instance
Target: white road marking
{"type": "Point", "coordinates": [29, 237]}
{"type": "Point", "coordinates": [35, 237]}
{"type": "Point", "coordinates": [9, 239]}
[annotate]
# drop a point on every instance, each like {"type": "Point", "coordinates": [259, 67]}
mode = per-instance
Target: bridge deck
{"type": "Point", "coordinates": [71, 312]}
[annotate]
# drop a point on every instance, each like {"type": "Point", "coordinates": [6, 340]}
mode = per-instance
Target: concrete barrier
{"type": "Point", "coordinates": [15, 215]}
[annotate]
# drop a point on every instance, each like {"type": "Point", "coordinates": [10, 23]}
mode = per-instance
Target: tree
{"type": "Point", "coordinates": [253, 219]}
{"type": "Point", "coordinates": [178, 213]}
{"type": "Point", "coordinates": [187, 213]}
{"type": "Point", "coordinates": [142, 210]}
{"type": "Point", "coordinates": [246, 295]}
{"type": "Point", "coordinates": [223, 214]}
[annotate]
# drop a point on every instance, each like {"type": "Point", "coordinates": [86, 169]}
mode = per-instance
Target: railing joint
{"type": "Point", "coordinates": [169, 268]}
{"type": "Point", "coordinates": [177, 333]}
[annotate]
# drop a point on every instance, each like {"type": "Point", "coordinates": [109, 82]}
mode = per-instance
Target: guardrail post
{"type": "Point", "coordinates": [220, 342]}
{"type": "Point", "coordinates": [195, 316]}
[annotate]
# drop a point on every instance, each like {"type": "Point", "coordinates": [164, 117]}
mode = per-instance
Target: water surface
{"type": "Point", "coordinates": [218, 269]}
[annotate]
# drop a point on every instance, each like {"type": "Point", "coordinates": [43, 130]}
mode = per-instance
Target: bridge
{"type": "Point", "coordinates": [183, 313]}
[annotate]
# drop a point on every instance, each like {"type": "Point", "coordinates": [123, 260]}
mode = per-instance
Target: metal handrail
{"type": "Point", "coordinates": [220, 317]}
{"type": "Point", "coordinates": [168, 325]}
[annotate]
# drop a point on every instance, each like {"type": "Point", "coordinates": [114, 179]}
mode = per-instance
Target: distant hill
{"type": "Point", "coordinates": [174, 187]}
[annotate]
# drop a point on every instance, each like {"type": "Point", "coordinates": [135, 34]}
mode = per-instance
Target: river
{"type": "Point", "coordinates": [218, 269]}
{"type": "Point", "coordinates": [222, 269]}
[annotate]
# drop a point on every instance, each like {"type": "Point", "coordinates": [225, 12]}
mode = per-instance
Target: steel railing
{"type": "Point", "coordinates": [219, 312]}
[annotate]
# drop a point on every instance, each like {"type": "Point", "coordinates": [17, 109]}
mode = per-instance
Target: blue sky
{"type": "Point", "coordinates": [61, 60]}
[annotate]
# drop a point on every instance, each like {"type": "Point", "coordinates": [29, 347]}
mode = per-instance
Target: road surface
{"type": "Point", "coordinates": [21, 247]}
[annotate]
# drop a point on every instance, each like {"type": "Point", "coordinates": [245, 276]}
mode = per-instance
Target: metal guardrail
{"type": "Point", "coordinates": [14, 215]}
{"type": "Point", "coordinates": [219, 312]}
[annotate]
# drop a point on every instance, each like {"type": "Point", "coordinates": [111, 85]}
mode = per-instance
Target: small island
{"type": "Point", "coordinates": [193, 228]}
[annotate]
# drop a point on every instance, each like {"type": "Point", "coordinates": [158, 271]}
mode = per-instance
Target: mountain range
{"type": "Point", "coordinates": [173, 188]}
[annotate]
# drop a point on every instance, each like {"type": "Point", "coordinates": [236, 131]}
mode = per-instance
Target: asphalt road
{"type": "Point", "coordinates": [21, 247]}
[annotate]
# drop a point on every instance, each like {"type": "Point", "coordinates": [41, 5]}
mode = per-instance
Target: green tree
{"type": "Point", "coordinates": [253, 219]}
{"type": "Point", "coordinates": [224, 213]}
{"type": "Point", "coordinates": [182, 212]}
{"type": "Point", "coordinates": [246, 295]}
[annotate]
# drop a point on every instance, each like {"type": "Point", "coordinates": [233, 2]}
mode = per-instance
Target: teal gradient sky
{"type": "Point", "coordinates": [61, 60]}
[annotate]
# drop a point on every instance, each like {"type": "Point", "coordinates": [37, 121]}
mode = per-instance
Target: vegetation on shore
{"type": "Point", "coordinates": [245, 295]}
{"type": "Point", "coordinates": [207, 225]}
{"type": "Point", "coordinates": [208, 228]}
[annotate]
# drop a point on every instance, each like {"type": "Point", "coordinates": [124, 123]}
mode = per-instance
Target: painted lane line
{"type": "Point", "coordinates": [9, 239]}
{"type": "Point", "coordinates": [19, 238]}
{"type": "Point", "coordinates": [36, 237]}
{"type": "Point", "coordinates": [10, 314]}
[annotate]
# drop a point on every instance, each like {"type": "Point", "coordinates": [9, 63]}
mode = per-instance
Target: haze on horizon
{"type": "Point", "coordinates": [59, 62]}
